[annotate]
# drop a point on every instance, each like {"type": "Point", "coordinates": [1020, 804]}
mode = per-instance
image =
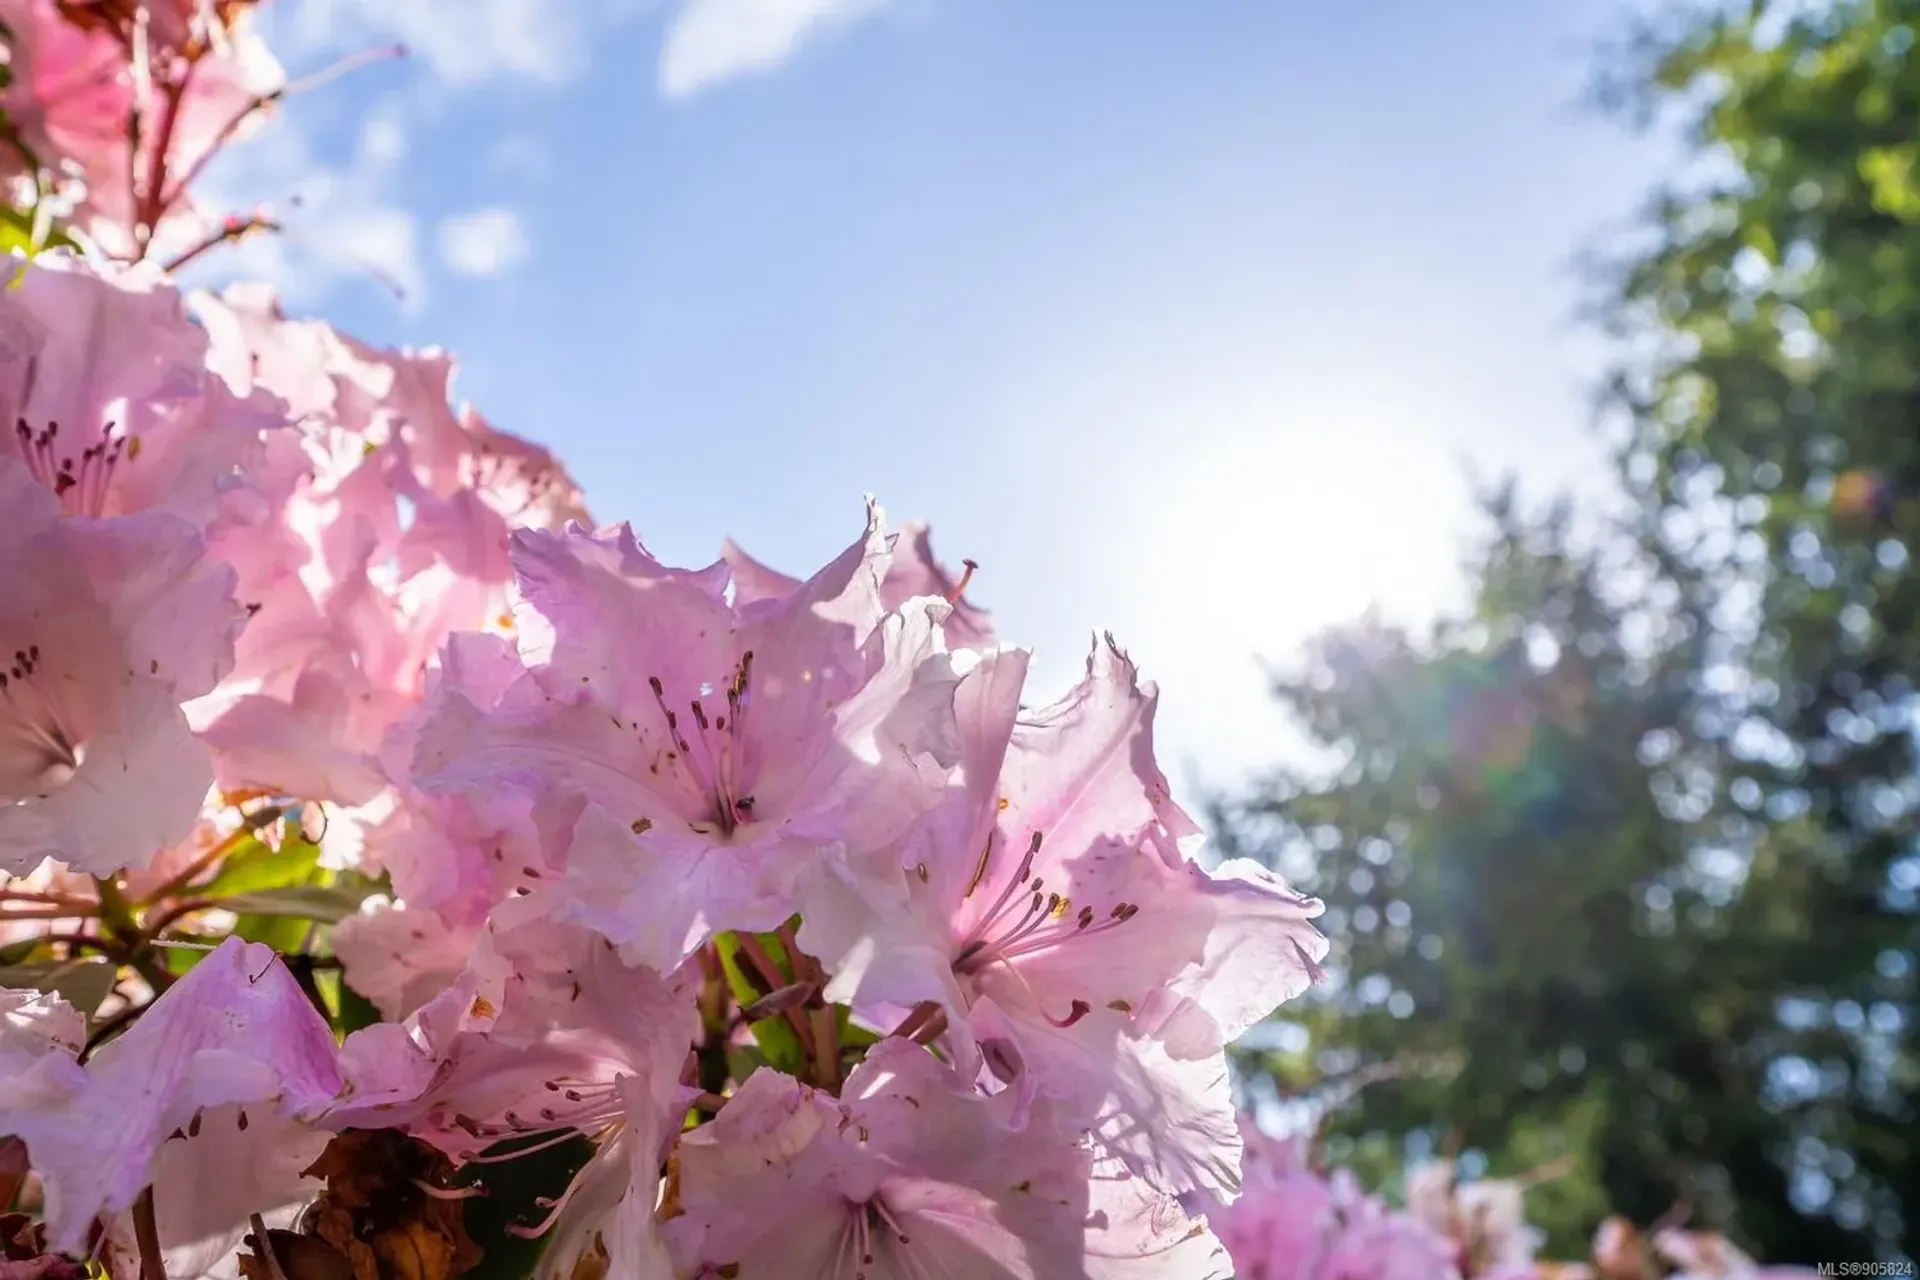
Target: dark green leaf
{"type": "Point", "coordinates": [325, 903]}
{"type": "Point", "coordinates": [256, 866]}
{"type": "Point", "coordinates": [356, 1011]}
{"type": "Point", "coordinates": [83, 983]}
{"type": "Point", "coordinates": [775, 1036]}
{"type": "Point", "coordinates": [513, 1189]}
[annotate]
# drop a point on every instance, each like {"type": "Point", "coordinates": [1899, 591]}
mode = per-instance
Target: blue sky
{"type": "Point", "coordinates": [1183, 319]}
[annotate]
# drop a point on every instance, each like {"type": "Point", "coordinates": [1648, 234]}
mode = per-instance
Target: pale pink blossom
{"type": "Point", "coordinates": [721, 747]}
{"type": "Point", "coordinates": [332, 659]}
{"type": "Point", "coordinates": [106, 400]}
{"type": "Point", "coordinates": [400, 957]}
{"type": "Point", "coordinates": [1706, 1255]}
{"type": "Point", "coordinates": [1292, 1223]}
{"type": "Point", "coordinates": [38, 1032]}
{"type": "Point", "coordinates": [1486, 1217]}
{"type": "Point", "coordinates": [208, 1178]}
{"type": "Point", "coordinates": [237, 1030]}
{"type": "Point", "coordinates": [548, 1034]}
{"type": "Point", "coordinates": [389, 536]}
{"type": "Point", "coordinates": [105, 627]}
{"type": "Point", "coordinates": [521, 480]}
{"type": "Point", "coordinates": [1046, 909]}
{"type": "Point", "coordinates": [908, 1173]}
{"type": "Point", "coordinates": [194, 101]}
{"type": "Point", "coordinates": [453, 859]}
{"type": "Point", "coordinates": [912, 572]}
{"type": "Point", "coordinates": [70, 93]}
{"type": "Point", "coordinates": [255, 346]}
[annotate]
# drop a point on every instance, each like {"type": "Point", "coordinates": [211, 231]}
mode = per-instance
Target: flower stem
{"type": "Point", "coordinates": [146, 1233]}
{"type": "Point", "coordinates": [756, 954]}
{"type": "Point", "coordinates": [117, 916]}
{"type": "Point", "coordinates": [253, 824]}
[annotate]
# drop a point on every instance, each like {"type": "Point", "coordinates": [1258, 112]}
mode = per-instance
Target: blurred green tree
{"type": "Point", "coordinates": [1637, 838]}
{"type": "Point", "coordinates": [1773, 393]}
{"type": "Point", "coordinates": [1527, 868]}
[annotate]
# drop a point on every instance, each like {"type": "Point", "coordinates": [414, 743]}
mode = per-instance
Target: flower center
{"type": "Point", "coordinates": [713, 763]}
{"type": "Point", "coordinates": [572, 1107]}
{"type": "Point", "coordinates": [1028, 919]}
{"type": "Point", "coordinates": [40, 749]}
{"type": "Point", "coordinates": [81, 481]}
{"type": "Point", "coordinates": [871, 1231]}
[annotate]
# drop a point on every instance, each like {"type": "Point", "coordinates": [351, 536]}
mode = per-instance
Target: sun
{"type": "Point", "coordinates": [1258, 540]}
{"type": "Point", "coordinates": [1272, 538]}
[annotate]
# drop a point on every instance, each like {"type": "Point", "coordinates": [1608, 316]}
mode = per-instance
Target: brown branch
{"type": "Point", "coordinates": [106, 946]}
{"type": "Point", "coordinates": [776, 978]}
{"type": "Point", "coordinates": [150, 206]}
{"type": "Point", "coordinates": [231, 232]}
{"type": "Point", "coordinates": [49, 913]}
{"type": "Point", "coordinates": [252, 825]}
{"type": "Point", "coordinates": [158, 925]}
{"type": "Point", "coordinates": [146, 1232]}
{"type": "Point", "coordinates": [117, 916]}
{"type": "Point", "coordinates": [46, 899]}
{"type": "Point", "coordinates": [262, 1241]}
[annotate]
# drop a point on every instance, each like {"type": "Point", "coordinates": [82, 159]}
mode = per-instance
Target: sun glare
{"type": "Point", "coordinates": [1266, 540]}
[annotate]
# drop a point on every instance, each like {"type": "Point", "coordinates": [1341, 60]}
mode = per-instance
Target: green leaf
{"type": "Point", "coordinates": [17, 231]}
{"type": "Point", "coordinates": [325, 903]}
{"type": "Point", "coordinates": [257, 866]}
{"type": "Point", "coordinates": [744, 1060]}
{"type": "Point", "coordinates": [356, 1011]}
{"type": "Point", "coordinates": [514, 1188]}
{"type": "Point", "coordinates": [775, 1036]}
{"type": "Point", "coordinates": [17, 952]}
{"type": "Point", "coordinates": [84, 984]}
{"type": "Point", "coordinates": [850, 1034]}
{"type": "Point", "coordinates": [285, 933]}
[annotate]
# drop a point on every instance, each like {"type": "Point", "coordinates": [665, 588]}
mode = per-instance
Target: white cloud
{"type": "Point", "coordinates": [485, 242]}
{"type": "Point", "coordinates": [714, 40]}
{"type": "Point", "coordinates": [461, 42]}
{"type": "Point", "coordinates": [340, 220]}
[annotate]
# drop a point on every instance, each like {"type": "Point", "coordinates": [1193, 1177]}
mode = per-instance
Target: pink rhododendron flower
{"type": "Point", "coordinates": [229, 1162]}
{"type": "Point", "coordinates": [196, 101]}
{"type": "Point", "coordinates": [912, 1173]}
{"type": "Point", "coordinates": [109, 624]}
{"type": "Point", "coordinates": [106, 400]}
{"type": "Point", "coordinates": [398, 957]}
{"type": "Point", "coordinates": [453, 859]}
{"type": "Point", "coordinates": [1291, 1223]}
{"type": "Point", "coordinates": [912, 572]}
{"type": "Point", "coordinates": [1704, 1255]}
{"type": "Point", "coordinates": [548, 1035]}
{"type": "Point", "coordinates": [722, 747]}
{"type": "Point", "coordinates": [521, 480]}
{"type": "Point", "coordinates": [1045, 909]}
{"type": "Point", "coordinates": [70, 92]}
{"type": "Point", "coordinates": [1486, 1218]}
{"type": "Point", "coordinates": [391, 536]}
{"type": "Point", "coordinates": [38, 1032]}
{"type": "Point", "coordinates": [236, 1030]}
{"type": "Point", "coordinates": [254, 346]}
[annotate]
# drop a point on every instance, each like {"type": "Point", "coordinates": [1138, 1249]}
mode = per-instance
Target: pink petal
{"type": "Point", "coordinates": [659, 894]}
{"type": "Point", "coordinates": [139, 789]}
{"type": "Point", "coordinates": [173, 607]}
{"type": "Point", "coordinates": [237, 1029]}
{"type": "Point", "coordinates": [400, 959]}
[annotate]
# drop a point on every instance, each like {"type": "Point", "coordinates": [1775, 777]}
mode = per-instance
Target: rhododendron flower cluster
{"type": "Point", "coordinates": [353, 779]}
{"type": "Point", "coordinates": [1298, 1220]}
